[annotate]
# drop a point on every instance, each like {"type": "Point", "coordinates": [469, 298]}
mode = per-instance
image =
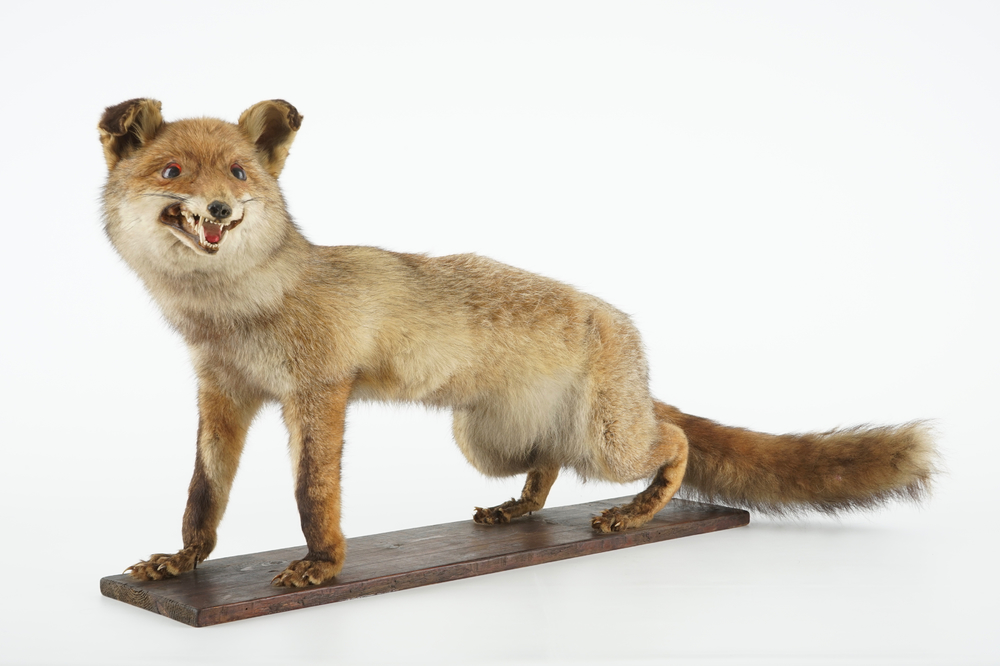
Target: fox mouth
{"type": "Point", "coordinates": [204, 232]}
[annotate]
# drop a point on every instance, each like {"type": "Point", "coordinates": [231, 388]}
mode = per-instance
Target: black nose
{"type": "Point", "coordinates": [219, 210]}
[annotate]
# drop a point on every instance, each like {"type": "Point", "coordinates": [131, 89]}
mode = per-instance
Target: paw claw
{"type": "Point", "coordinates": [160, 566]}
{"type": "Point", "coordinates": [491, 516]}
{"type": "Point", "coordinates": [301, 573]}
{"type": "Point", "coordinates": [610, 520]}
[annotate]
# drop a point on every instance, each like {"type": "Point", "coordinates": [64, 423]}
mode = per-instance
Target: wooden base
{"type": "Point", "coordinates": [235, 588]}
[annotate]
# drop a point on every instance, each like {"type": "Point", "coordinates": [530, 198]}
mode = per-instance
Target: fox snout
{"type": "Point", "coordinates": [200, 231]}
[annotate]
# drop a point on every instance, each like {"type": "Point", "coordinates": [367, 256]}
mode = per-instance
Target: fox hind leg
{"type": "Point", "coordinates": [536, 490]}
{"type": "Point", "coordinates": [671, 454]}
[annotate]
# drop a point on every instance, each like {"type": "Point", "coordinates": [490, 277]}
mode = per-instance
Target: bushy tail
{"type": "Point", "coordinates": [839, 470]}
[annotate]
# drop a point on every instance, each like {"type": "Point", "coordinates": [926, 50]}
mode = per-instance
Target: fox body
{"type": "Point", "coordinates": [540, 377]}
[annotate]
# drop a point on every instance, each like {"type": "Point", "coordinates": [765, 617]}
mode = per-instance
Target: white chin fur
{"type": "Point", "coordinates": [151, 247]}
{"type": "Point", "coordinates": [147, 244]}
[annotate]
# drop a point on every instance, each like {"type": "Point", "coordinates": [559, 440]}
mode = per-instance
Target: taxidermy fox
{"type": "Point", "coordinates": [540, 377]}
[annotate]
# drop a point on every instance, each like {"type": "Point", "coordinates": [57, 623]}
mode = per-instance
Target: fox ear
{"type": "Point", "coordinates": [271, 127]}
{"type": "Point", "coordinates": [128, 126]}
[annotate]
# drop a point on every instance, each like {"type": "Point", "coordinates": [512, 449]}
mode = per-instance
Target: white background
{"type": "Point", "coordinates": [797, 202]}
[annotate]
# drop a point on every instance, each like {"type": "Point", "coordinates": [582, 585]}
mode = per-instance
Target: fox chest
{"type": "Point", "coordinates": [247, 363]}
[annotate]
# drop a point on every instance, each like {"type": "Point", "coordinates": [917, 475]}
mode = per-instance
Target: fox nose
{"type": "Point", "coordinates": [219, 210]}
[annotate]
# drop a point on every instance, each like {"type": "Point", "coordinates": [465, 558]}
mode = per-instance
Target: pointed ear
{"type": "Point", "coordinates": [127, 127]}
{"type": "Point", "coordinates": [271, 126]}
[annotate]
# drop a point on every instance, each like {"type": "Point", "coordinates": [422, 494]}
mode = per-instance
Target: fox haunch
{"type": "Point", "coordinates": [539, 376]}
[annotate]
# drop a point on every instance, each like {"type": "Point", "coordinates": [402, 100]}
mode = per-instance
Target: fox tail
{"type": "Point", "coordinates": [835, 471]}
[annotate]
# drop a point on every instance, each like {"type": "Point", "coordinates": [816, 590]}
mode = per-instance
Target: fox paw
{"type": "Point", "coordinates": [301, 573]}
{"type": "Point", "coordinates": [615, 519]}
{"type": "Point", "coordinates": [160, 566]}
{"type": "Point", "coordinates": [495, 515]}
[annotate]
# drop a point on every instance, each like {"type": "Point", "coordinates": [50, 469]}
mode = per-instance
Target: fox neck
{"type": "Point", "coordinates": [192, 299]}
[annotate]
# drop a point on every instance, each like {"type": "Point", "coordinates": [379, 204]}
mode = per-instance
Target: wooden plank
{"type": "Point", "coordinates": [234, 588]}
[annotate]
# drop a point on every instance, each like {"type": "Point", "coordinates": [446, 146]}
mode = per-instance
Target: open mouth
{"type": "Point", "coordinates": [203, 231]}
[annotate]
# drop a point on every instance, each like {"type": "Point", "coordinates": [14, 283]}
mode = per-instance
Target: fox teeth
{"type": "Point", "coordinates": [194, 219]}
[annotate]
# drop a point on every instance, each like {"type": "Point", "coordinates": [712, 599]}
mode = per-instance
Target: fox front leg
{"type": "Point", "coordinates": [315, 421]}
{"type": "Point", "coordinates": [222, 428]}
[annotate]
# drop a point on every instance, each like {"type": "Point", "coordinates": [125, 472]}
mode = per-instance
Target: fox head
{"type": "Point", "coordinates": [199, 195]}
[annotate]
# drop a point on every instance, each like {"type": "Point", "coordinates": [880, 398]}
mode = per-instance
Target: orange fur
{"type": "Point", "coordinates": [849, 469]}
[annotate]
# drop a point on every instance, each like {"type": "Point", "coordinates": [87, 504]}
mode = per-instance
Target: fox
{"type": "Point", "coordinates": [539, 377]}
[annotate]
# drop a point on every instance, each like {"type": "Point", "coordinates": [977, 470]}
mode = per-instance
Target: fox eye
{"type": "Point", "coordinates": [238, 171]}
{"type": "Point", "coordinates": [172, 170]}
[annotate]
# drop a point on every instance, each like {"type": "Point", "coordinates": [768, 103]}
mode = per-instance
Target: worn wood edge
{"type": "Point", "coordinates": [140, 598]}
{"type": "Point", "coordinates": [727, 518]}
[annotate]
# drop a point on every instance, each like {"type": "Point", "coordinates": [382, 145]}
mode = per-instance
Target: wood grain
{"type": "Point", "coordinates": [235, 588]}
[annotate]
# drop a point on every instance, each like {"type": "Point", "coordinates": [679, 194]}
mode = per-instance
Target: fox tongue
{"type": "Point", "coordinates": [213, 232]}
